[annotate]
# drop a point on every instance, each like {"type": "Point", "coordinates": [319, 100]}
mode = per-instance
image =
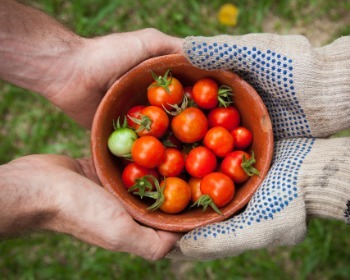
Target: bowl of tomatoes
{"type": "Point", "coordinates": [181, 147]}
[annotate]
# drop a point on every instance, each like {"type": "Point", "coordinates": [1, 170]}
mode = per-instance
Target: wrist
{"type": "Point", "coordinates": [28, 206]}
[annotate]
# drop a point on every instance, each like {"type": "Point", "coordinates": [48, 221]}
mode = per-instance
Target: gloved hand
{"type": "Point", "coordinates": [307, 93]}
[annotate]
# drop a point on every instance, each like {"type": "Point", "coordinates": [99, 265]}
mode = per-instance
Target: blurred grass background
{"type": "Point", "coordinates": [29, 124]}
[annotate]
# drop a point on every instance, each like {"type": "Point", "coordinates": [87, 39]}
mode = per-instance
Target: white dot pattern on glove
{"type": "Point", "coordinates": [270, 73]}
{"type": "Point", "coordinates": [278, 190]}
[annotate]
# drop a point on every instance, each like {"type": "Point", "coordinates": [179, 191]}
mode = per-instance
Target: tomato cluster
{"type": "Point", "coordinates": [187, 144]}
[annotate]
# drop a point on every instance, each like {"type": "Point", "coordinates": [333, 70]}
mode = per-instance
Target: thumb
{"type": "Point", "coordinates": [155, 244]}
{"type": "Point", "coordinates": [157, 43]}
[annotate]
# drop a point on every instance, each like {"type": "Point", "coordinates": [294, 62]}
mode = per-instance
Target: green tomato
{"type": "Point", "coordinates": [121, 140]}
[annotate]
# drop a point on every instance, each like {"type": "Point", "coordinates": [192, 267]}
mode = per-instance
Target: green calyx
{"type": "Point", "coordinates": [248, 167]}
{"type": "Point", "coordinates": [158, 194]}
{"type": "Point", "coordinates": [162, 81]}
{"type": "Point", "coordinates": [118, 125]}
{"type": "Point", "coordinates": [144, 122]}
{"type": "Point", "coordinates": [205, 201]}
{"type": "Point", "coordinates": [141, 185]}
{"type": "Point", "coordinates": [225, 95]}
{"type": "Point", "coordinates": [176, 109]}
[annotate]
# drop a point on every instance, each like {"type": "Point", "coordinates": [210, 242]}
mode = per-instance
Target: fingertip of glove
{"type": "Point", "coordinates": [192, 50]}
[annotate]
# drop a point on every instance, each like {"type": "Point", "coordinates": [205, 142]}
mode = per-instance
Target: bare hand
{"type": "Point", "coordinates": [98, 63]}
{"type": "Point", "coordinates": [64, 196]}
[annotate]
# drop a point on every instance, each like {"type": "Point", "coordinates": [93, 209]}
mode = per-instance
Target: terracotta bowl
{"type": "Point", "coordinates": [130, 90]}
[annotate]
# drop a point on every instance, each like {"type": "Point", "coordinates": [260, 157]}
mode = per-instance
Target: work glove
{"type": "Point", "coordinates": [307, 93]}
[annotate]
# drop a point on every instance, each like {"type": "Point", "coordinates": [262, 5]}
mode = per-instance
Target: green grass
{"type": "Point", "coordinates": [29, 124]}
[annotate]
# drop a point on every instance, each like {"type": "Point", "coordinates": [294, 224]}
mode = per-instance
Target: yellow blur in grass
{"type": "Point", "coordinates": [228, 14]}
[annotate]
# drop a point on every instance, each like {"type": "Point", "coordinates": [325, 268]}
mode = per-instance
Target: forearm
{"type": "Point", "coordinates": [34, 48]}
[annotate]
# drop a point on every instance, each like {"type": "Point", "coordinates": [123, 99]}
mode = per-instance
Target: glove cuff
{"type": "Point", "coordinates": [325, 179]}
{"type": "Point", "coordinates": [329, 83]}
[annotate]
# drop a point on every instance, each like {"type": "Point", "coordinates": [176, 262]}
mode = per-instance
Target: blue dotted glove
{"type": "Point", "coordinates": [309, 177]}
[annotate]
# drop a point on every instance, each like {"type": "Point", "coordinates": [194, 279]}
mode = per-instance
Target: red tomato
{"type": "Point", "coordinates": [228, 118]}
{"type": "Point", "coordinates": [219, 187]}
{"type": "Point", "coordinates": [236, 168]}
{"type": "Point", "coordinates": [242, 137]}
{"type": "Point", "coordinates": [152, 121]}
{"type": "Point", "coordinates": [205, 93]}
{"type": "Point", "coordinates": [134, 171]}
{"type": "Point", "coordinates": [219, 140]}
{"type": "Point", "coordinates": [177, 195]}
{"type": "Point", "coordinates": [195, 186]}
{"type": "Point", "coordinates": [190, 125]}
{"type": "Point", "coordinates": [200, 162]}
{"type": "Point", "coordinates": [165, 91]}
{"type": "Point", "coordinates": [173, 164]}
{"type": "Point", "coordinates": [148, 151]}
{"type": "Point", "coordinates": [133, 112]}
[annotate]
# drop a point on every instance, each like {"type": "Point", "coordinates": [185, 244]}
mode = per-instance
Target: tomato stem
{"type": "Point", "coordinates": [117, 125]}
{"type": "Point", "coordinates": [158, 194]}
{"type": "Point", "coordinates": [143, 121]}
{"type": "Point", "coordinates": [176, 108]}
{"type": "Point", "coordinates": [140, 186]}
{"type": "Point", "coordinates": [248, 167]}
{"type": "Point", "coordinates": [225, 96]}
{"type": "Point", "coordinates": [205, 201]}
{"type": "Point", "coordinates": [162, 81]}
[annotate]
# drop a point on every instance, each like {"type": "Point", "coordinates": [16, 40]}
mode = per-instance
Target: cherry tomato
{"type": "Point", "coordinates": [190, 125]}
{"type": "Point", "coordinates": [195, 186]}
{"type": "Point", "coordinates": [177, 195]}
{"type": "Point", "coordinates": [133, 112]}
{"type": "Point", "coordinates": [152, 121]}
{"type": "Point", "coordinates": [219, 187]}
{"type": "Point", "coordinates": [173, 164]}
{"type": "Point", "coordinates": [134, 171]}
{"type": "Point", "coordinates": [205, 93]}
{"type": "Point", "coordinates": [121, 140]}
{"type": "Point", "coordinates": [228, 117]}
{"type": "Point", "coordinates": [200, 162]}
{"type": "Point", "coordinates": [148, 151]}
{"type": "Point", "coordinates": [219, 140]}
{"type": "Point", "coordinates": [165, 91]}
{"type": "Point", "coordinates": [237, 168]}
{"type": "Point", "coordinates": [242, 137]}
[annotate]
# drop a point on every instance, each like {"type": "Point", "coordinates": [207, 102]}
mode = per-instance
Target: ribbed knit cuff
{"type": "Point", "coordinates": [325, 178]}
{"type": "Point", "coordinates": [324, 87]}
